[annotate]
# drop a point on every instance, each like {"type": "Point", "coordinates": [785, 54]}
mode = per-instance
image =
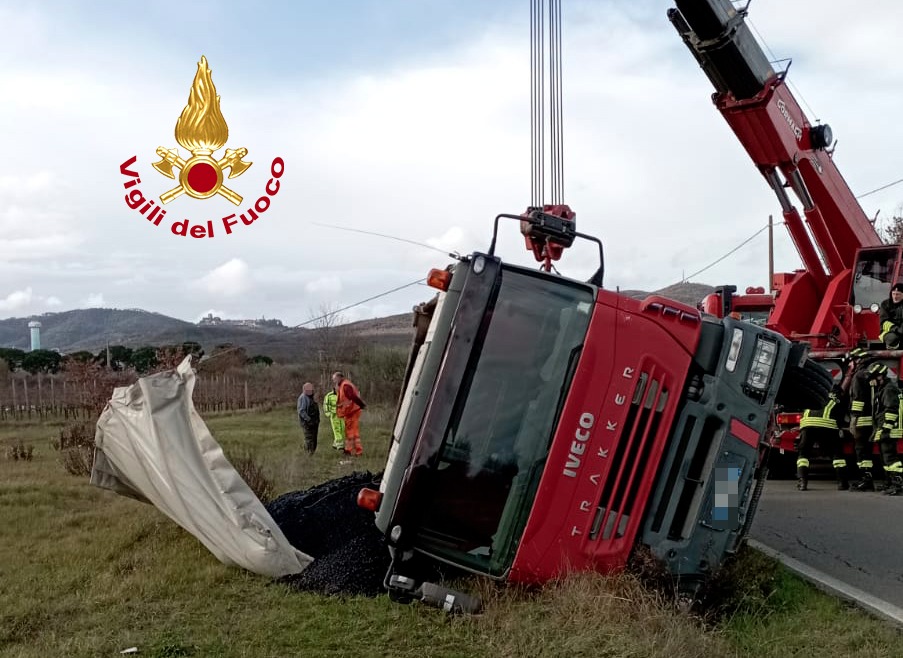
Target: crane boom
{"type": "Point", "coordinates": [790, 152]}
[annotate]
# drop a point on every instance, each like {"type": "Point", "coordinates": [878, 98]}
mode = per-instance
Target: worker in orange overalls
{"type": "Point", "coordinates": [349, 407]}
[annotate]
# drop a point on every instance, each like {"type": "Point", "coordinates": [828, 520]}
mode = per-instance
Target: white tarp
{"type": "Point", "coordinates": [153, 446]}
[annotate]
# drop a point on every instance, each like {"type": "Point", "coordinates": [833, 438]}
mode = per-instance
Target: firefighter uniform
{"type": "Point", "coordinates": [822, 426]}
{"type": "Point", "coordinates": [887, 429]}
{"type": "Point", "coordinates": [891, 316]}
{"type": "Point", "coordinates": [861, 421]}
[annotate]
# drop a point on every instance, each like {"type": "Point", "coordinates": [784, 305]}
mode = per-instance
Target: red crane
{"type": "Point", "coordinates": [835, 239]}
{"type": "Point", "coordinates": [832, 301]}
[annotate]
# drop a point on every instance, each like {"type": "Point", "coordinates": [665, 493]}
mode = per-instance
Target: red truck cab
{"type": "Point", "coordinates": [549, 425]}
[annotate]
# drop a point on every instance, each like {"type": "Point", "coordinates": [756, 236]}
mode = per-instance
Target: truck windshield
{"type": "Point", "coordinates": [503, 421]}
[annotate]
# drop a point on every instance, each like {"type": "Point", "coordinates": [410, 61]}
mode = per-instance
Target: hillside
{"type": "Point", "coordinates": [94, 328]}
{"type": "Point", "coordinates": [687, 292]}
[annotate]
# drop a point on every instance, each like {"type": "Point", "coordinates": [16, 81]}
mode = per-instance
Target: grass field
{"type": "Point", "coordinates": [84, 572]}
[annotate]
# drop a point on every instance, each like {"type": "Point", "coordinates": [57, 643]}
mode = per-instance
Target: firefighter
{"type": "Point", "coordinates": [861, 417]}
{"type": "Point", "coordinates": [822, 426]}
{"type": "Point", "coordinates": [891, 315]}
{"type": "Point", "coordinates": [338, 424]}
{"type": "Point", "coordinates": [886, 425]}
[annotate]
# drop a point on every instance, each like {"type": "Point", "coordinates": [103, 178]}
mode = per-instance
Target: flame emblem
{"type": "Point", "coordinates": [202, 130]}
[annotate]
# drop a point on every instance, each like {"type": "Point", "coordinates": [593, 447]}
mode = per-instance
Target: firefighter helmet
{"type": "Point", "coordinates": [877, 370]}
{"type": "Point", "coordinates": [858, 353]}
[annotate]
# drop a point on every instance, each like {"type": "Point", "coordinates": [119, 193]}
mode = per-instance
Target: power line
{"type": "Point", "coordinates": [453, 254]}
{"type": "Point", "coordinates": [735, 249]}
{"type": "Point", "coordinates": [774, 59]}
{"type": "Point", "coordinates": [363, 301]}
{"type": "Point", "coordinates": [878, 189]}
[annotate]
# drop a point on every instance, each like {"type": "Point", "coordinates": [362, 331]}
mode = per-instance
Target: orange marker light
{"type": "Point", "coordinates": [439, 279]}
{"type": "Point", "coordinates": [369, 499]}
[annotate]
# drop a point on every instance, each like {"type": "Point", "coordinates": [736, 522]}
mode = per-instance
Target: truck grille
{"type": "Point", "coordinates": [631, 457]}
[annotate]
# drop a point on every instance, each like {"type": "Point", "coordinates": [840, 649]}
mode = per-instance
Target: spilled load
{"type": "Point", "coordinates": [152, 445]}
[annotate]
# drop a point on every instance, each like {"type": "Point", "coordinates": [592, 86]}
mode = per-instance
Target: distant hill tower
{"type": "Point", "coordinates": [35, 328]}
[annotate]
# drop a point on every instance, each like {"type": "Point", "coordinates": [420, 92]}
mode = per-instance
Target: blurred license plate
{"type": "Point", "coordinates": [726, 511]}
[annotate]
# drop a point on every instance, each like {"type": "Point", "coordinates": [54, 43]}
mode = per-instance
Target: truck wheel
{"type": "Point", "coordinates": [804, 387]}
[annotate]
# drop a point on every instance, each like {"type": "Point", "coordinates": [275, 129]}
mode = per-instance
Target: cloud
{"type": "Point", "coordinates": [454, 239]}
{"type": "Point", "coordinates": [222, 315]}
{"type": "Point", "coordinates": [429, 148]}
{"type": "Point", "coordinates": [16, 300]}
{"type": "Point", "coordinates": [229, 279]}
{"type": "Point", "coordinates": [35, 224]}
{"type": "Point", "coordinates": [94, 300]}
{"type": "Point", "coordinates": [26, 301]}
{"type": "Point", "coordinates": [325, 284]}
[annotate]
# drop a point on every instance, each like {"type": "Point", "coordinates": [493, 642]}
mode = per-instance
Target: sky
{"type": "Point", "coordinates": [406, 118]}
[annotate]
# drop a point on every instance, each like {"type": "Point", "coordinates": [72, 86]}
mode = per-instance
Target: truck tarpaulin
{"type": "Point", "coordinates": [153, 446]}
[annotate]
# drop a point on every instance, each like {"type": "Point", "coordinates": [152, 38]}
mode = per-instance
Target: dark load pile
{"type": "Point", "coordinates": [350, 554]}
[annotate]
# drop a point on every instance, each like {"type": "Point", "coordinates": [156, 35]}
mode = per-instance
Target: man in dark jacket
{"type": "Point", "coordinates": [309, 417]}
{"type": "Point", "coordinates": [891, 315]}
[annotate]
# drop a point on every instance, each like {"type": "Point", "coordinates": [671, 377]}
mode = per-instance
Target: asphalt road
{"type": "Point", "coordinates": [854, 537]}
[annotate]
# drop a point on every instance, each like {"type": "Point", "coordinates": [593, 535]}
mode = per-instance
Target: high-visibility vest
{"type": "Point", "coordinates": [896, 431]}
{"type": "Point", "coordinates": [887, 417]}
{"type": "Point", "coordinates": [329, 404]}
{"type": "Point", "coordinates": [345, 406]}
{"type": "Point", "coordinates": [820, 417]}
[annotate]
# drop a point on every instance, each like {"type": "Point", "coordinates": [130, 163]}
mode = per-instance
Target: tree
{"type": "Point", "coordinates": [260, 359]}
{"type": "Point", "coordinates": [193, 348]}
{"type": "Point", "coordinates": [46, 361]}
{"type": "Point", "coordinates": [144, 359]}
{"type": "Point", "coordinates": [330, 338]}
{"type": "Point", "coordinates": [83, 356]}
{"type": "Point", "coordinates": [120, 357]}
{"type": "Point", "coordinates": [13, 357]}
{"type": "Point", "coordinates": [224, 357]}
{"type": "Point", "coordinates": [892, 230]}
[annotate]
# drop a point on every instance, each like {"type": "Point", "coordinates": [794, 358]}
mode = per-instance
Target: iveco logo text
{"type": "Point", "coordinates": [790, 122]}
{"type": "Point", "coordinates": [578, 445]}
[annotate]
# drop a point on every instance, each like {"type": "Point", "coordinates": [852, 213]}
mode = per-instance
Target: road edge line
{"type": "Point", "coordinates": [823, 581]}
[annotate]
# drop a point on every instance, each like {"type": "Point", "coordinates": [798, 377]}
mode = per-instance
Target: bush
{"type": "Point", "coordinates": [379, 372]}
{"type": "Point", "coordinates": [748, 583]}
{"type": "Point", "coordinates": [76, 446]}
{"type": "Point", "coordinates": [19, 452]}
{"type": "Point", "coordinates": [252, 473]}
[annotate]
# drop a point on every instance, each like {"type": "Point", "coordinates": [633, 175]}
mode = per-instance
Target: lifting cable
{"type": "Point", "coordinates": [537, 65]}
{"type": "Point", "coordinates": [538, 103]}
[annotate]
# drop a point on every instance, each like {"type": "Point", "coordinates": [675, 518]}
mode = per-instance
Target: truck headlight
{"type": "Point", "coordinates": [734, 352]}
{"type": "Point", "coordinates": [762, 364]}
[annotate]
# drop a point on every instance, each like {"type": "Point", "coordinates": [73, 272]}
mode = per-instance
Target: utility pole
{"type": "Point", "coordinates": [770, 254]}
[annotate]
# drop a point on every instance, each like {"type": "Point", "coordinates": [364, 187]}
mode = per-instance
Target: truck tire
{"type": "Point", "coordinates": [804, 387]}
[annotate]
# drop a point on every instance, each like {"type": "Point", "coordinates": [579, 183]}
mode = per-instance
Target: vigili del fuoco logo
{"type": "Point", "coordinates": [201, 129]}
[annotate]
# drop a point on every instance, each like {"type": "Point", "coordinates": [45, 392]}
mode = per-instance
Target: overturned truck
{"type": "Point", "coordinates": [548, 425]}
